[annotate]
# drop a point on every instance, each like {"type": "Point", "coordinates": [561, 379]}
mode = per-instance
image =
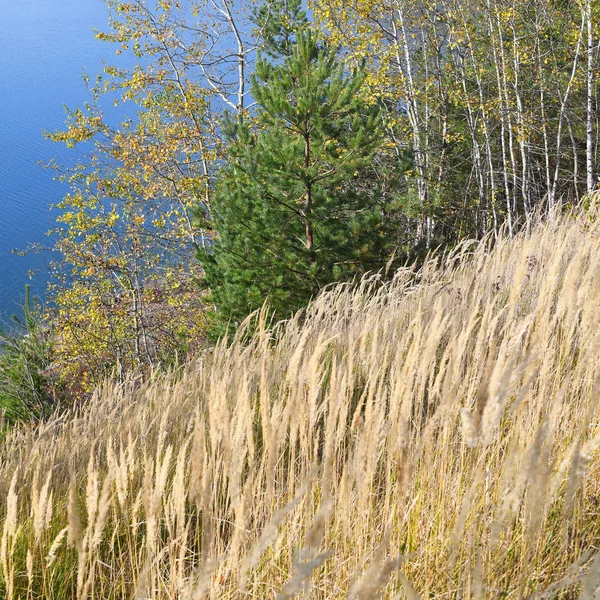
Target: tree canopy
{"type": "Point", "coordinates": [291, 146]}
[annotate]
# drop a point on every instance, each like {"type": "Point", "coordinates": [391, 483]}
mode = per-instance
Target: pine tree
{"type": "Point", "coordinates": [278, 23]}
{"type": "Point", "coordinates": [290, 211]}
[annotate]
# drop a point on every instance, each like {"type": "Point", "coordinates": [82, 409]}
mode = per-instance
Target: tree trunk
{"type": "Point", "coordinates": [589, 153]}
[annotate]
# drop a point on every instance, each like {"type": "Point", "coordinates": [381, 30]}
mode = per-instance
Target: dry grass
{"type": "Point", "coordinates": [434, 437]}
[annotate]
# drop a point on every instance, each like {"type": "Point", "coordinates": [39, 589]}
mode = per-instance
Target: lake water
{"type": "Point", "coordinates": [44, 46]}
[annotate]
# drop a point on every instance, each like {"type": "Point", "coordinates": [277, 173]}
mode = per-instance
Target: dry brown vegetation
{"type": "Point", "coordinates": [432, 437]}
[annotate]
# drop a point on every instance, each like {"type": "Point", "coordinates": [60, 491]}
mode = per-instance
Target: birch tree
{"type": "Point", "coordinates": [128, 230]}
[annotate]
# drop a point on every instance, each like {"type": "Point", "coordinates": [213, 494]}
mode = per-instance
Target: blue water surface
{"type": "Point", "coordinates": [44, 47]}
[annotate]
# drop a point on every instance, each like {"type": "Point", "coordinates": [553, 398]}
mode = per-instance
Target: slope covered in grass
{"type": "Point", "coordinates": [432, 437]}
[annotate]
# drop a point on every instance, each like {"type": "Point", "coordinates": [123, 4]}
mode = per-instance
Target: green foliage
{"type": "Point", "coordinates": [293, 207]}
{"type": "Point", "coordinates": [278, 23]}
{"type": "Point", "coordinates": [26, 387]}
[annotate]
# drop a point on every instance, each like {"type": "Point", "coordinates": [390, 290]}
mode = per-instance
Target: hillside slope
{"type": "Point", "coordinates": [432, 437]}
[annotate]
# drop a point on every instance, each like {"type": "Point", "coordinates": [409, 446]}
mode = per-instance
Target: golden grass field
{"type": "Point", "coordinates": [431, 437]}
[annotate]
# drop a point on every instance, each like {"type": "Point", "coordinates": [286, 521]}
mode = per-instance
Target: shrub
{"type": "Point", "coordinates": [27, 389]}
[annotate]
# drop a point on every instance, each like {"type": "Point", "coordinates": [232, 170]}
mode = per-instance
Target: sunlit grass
{"type": "Point", "coordinates": [435, 436]}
